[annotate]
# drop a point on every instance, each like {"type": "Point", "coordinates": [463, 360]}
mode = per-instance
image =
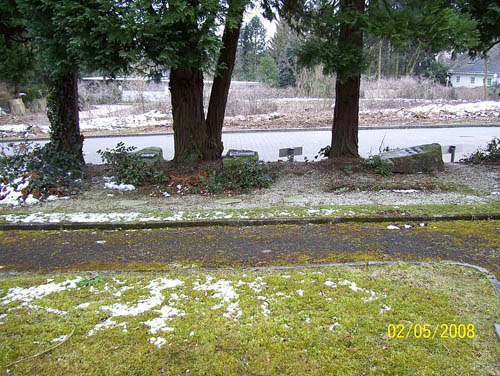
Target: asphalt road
{"type": "Point", "coordinates": [268, 143]}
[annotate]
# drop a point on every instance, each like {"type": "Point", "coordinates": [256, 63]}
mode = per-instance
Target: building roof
{"type": "Point", "coordinates": [477, 66]}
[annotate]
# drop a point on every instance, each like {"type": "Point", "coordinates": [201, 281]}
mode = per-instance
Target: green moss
{"type": "Point", "coordinates": [295, 337]}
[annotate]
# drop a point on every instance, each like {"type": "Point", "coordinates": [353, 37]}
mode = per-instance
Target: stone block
{"type": "Point", "coordinates": [237, 156]}
{"type": "Point", "coordinates": [17, 107]}
{"type": "Point", "coordinates": [38, 105]}
{"type": "Point", "coordinates": [415, 159]}
{"type": "Point", "coordinates": [153, 156]}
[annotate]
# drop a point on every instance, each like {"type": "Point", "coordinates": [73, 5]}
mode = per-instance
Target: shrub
{"type": "Point", "coordinates": [241, 176]}
{"type": "Point", "coordinates": [379, 166]}
{"type": "Point", "coordinates": [128, 167]}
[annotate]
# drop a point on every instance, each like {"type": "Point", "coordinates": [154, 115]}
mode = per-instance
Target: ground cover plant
{"type": "Point", "coordinates": [321, 321]}
{"type": "Point", "coordinates": [29, 173]}
{"type": "Point", "coordinates": [128, 168]}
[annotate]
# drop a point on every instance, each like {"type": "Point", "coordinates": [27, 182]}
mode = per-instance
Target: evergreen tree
{"type": "Point", "coordinates": [251, 47]}
{"type": "Point", "coordinates": [335, 40]}
{"type": "Point", "coordinates": [267, 71]}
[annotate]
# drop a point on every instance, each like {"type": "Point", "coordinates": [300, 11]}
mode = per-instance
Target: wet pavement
{"type": "Point", "coordinates": [268, 142]}
{"type": "Point", "coordinates": [473, 242]}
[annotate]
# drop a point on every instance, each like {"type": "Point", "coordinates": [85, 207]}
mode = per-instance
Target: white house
{"type": "Point", "coordinates": [471, 73]}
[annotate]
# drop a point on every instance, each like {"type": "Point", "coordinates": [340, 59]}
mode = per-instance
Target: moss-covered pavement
{"type": "Point", "coordinates": [473, 242]}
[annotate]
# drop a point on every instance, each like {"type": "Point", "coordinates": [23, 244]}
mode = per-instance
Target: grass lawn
{"type": "Point", "coordinates": [328, 321]}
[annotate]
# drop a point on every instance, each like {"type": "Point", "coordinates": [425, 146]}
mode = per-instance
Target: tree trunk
{"type": "Point", "coordinates": [186, 88]}
{"type": "Point", "coordinates": [222, 80]}
{"type": "Point", "coordinates": [347, 91]}
{"type": "Point", "coordinates": [379, 70]}
{"type": "Point", "coordinates": [485, 79]}
{"type": "Point", "coordinates": [62, 112]}
{"type": "Point", "coordinates": [345, 118]}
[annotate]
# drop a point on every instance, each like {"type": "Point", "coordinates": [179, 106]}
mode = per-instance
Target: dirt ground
{"type": "Point", "coordinates": [296, 184]}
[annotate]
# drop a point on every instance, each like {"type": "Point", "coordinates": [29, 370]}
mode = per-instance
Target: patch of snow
{"type": "Point", "coordinates": [151, 118]}
{"type": "Point", "coordinates": [407, 226]}
{"type": "Point", "coordinates": [119, 187]}
{"type": "Point", "coordinates": [384, 309]}
{"type": "Point", "coordinates": [81, 306]}
{"type": "Point", "coordinates": [12, 193]}
{"type": "Point", "coordinates": [406, 190]}
{"type": "Point", "coordinates": [109, 323]}
{"type": "Point", "coordinates": [160, 323]}
{"type": "Point", "coordinates": [300, 292]}
{"type": "Point", "coordinates": [353, 286]}
{"type": "Point", "coordinates": [27, 295]}
{"type": "Point", "coordinates": [59, 339]}
{"type": "Point", "coordinates": [223, 291]}
{"type": "Point", "coordinates": [40, 217]}
{"type": "Point", "coordinates": [158, 341]}
{"type": "Point", "coordinates": [331, 284]}
{"type": "Point", "coordinates": [101, 241]}
{"type": "Point", "coordinates": [143, 305]}
{"type": "Point", "coordinates": [392, 227]}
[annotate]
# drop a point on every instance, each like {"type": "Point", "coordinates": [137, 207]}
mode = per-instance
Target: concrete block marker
{"type": "Point", "coordinates": [421, 158]}
{"type": "Point", "coordinates": [497, 329]}
{"type": "Point", "coordinates": [236, 156]}
{"type": "Point", "coordinates": [153, 156]}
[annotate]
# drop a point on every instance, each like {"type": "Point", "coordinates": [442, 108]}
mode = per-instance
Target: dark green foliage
{"type": "Point", "coordinates": [251, 47]}
{"type": "Point", "coordinates": [92, 281]}
{"type": "Point", "coordinates": [435, 70]}
{"type": "Point", "coordinates": [323, 152]}
{"type": "Point", "coordinates": [490, 155]}
{"type": "Point", "coordinates": [487, 15]}
{"type": "Point", "coordinates": [379, 166]}
{"type": "Point", "coordinates": [240, 176]}
{"type": "Point", "coordinates": [267, 71]}
{"type": "Point", "coordinates": [128, 167]}
{"type": "Point", "coordinates": [47, 172]}
{"type": "Point", "coordinates": [287, 66]}
{"type": "Point", "coordinates": [17, 62]}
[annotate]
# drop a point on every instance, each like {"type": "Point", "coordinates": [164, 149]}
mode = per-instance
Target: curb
{"type": "Point", "coordinates": [241, 222]}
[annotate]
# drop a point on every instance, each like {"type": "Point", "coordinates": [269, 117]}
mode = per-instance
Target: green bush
{"type": "Point", "coordinates": [128, 167]}
{"type": "Point", "coordinates": [379, 166]}
{"type": "Point", "coordinates": [241, 176]}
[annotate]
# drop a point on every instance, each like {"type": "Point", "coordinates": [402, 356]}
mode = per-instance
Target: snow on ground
{"type": "Point", "coordinates": [446, 111]}
{"type": "Point", "coordinates": [223, 290]}
{"type": "Point", "coordinates": [27, 295]}
{"type": "Point", "coordinates": [119, 187]}
{"type": "Point", "coordinates": [40, 217]}
{"type": "Point", "coordinates": [12, 193]}
{"type": "Point", "coordinates": [77, 218]}
{"type": "Point", "coordinates": [151, 118]}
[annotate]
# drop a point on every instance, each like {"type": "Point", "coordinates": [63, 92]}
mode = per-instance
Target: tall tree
{"type": "Point", "coordinates": [335, 33]}
{"type": "Point", "coordinates": [67, 36]}
{"type": "Point", "coordinates": [251, 47]}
